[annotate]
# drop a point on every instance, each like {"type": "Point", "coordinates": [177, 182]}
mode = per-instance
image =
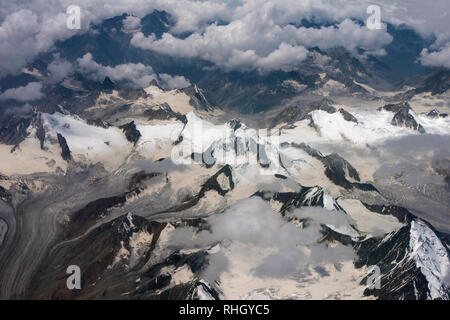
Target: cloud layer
{"type": "Point", "coordinates": [262, 44]}
{"type": "Point", "coordinates": [137, 74]}
{"type": "Point", "coordinates": [277, 247]}
{"type": "Point", "coordinates": [439, 58]}
{"type": "Point", "coordinates": [32, 91]}
{"type": "Point", "coordinates": [252, 34]}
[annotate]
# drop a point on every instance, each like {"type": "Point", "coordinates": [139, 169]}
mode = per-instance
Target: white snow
{"type": "Point", "coordinates": [432, 259]}
{"type": "Point", "coordinates": [367, 221]}
{"type": "Point", "coordinates": [156, 139]}
{"type": "Point", "coordinates": [202, 294]}
{"type": "Point", "coordinates": [29, 158]}
{"type": "Point", "coordinates": [178, 100]}
{"type": "Point", "coordinates": [373, 127]}
{"type": "Point", "coordinates": [108, 146]}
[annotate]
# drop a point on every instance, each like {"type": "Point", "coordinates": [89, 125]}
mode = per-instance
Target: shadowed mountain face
{"type": "Point", "coordinates": [403, 117]}
{"type": "Point", "coordinates": [180, 172]}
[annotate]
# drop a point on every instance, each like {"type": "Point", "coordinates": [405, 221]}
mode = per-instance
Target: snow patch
{"type": "Point", "coordinates": [432, 259]}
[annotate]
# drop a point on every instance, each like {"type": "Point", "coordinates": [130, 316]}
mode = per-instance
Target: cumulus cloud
{"type": "Point", "coordinates": [252, 221]}
{"type": "Point", "coordinates": [59, 69]}
{"type": "Point", "coordinates": [17, 110]}
{"type": "Point", "coordinates": [138, 74]}
{"type": "Point", "coordinates": [173, 82]}
{"type": "Point", "coordinates": [30, 27]}
{"type": "Point", "coordinates": [131, 23]}
{"type": "Point", "coordinates": [285, 58]}
{"type": "Point", "coordinates": [280, 264]}
{"type": "Point", "coordinates": [428, 20]}
{"type": "Point", "coordinates": [31, 91]}
{"type": "Point", "coordinates": [255, 43]}
{"type": "Point", "coordinates": [439, 58]}
{"type": "Point", "coordinates": [288, 260]}
{"type": "Point", "coordinates": [23, 34]}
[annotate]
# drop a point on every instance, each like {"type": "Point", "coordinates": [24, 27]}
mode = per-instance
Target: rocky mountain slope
{"type": "Point", "coordinates": [150, 196]}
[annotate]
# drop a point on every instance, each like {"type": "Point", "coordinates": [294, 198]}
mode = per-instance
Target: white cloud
{"type": "Point", "coordinates": [28, 28]}
{"type": "Point", "coordinates": [131, 23]}
{"type": "Point", "coordinates": [256, 28]}
{"type": "Point", "coordinates": [253, 222]}
{"type": "Point", "coordinates": [173, 82]}
{"type": "Point", "coordinates": [256, 43]}
{"type": "Point", "coordinates": [31, 91]}
{"type": "Point", "coordinates": [285, 58]}
{"type": "Point", "coordinates": [428, 20]}
{"type": "Point", "coordinates": [440, 58]}
{"type": "Point", "coordinates": [18, 110]}
{"type": "Point", "coordinates": [277, 247]}
{"type": "Point", "coordinates": [138, 74]}
{"type": "Point", "coordinates": [23, 35]}
{"type": "Point", "coordinates": [425, 18]}
{"type": "Point", "coordinates": [59, 69]}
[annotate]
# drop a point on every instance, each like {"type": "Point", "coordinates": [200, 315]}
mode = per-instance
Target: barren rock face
{"type": "Point", "coordinates": [65, 151]}
{"type": "Point", "coordinates": [131, 132]}
{"type": "Point", "coordinates": [404, 119]}
{"type": "Point", "coordinates": [348, 116]}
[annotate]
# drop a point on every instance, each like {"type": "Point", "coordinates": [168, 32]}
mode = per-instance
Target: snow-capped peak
{"type": "Point", "coordinates": [432, 258]}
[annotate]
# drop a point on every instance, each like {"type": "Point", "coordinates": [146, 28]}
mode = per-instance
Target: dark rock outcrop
{"type": "Point", "coordinates": [211, 184]}
{"type": "Point", "coordinates": [98, 254]}
{"type": "Point", "coordinates": [5, 195]}
{"type": "Point", "coordinates": [433, 113]}
{"type": "Point", "coordinates": [107, 84]}
{"type": "Point", "coordinates": [65, 151]}
{"type": "Point", "coordinates": [197, 98]}
{"type": "Point", "coordinates": [403, 118]}
{"type": "Point", "coordinates": [131, 132]}
{"type": "Point", "coordinates": [13, 128]}
{"type": "Point", "coordinates": [337, 169]}
{"type": "Point", "coordinates": [401, 276]}
{"type": "Point", "coordinates": [348, 116]}
{"type": "Point", "coordinates": [40, 132]}
{"type": "Point", "coordinates": [436, 114]}
{"type": "Point", "coordinates": [297, 113]}
{"type": "Point", "coordinates": [395, 107]}
{"type": "Point", "coordinates": [402, 214]}
{"type": "Point", "coordinates": [154, 83]}
{"type": "Point", "coordinates": [401, 279]}
{"type": "Point", "coordinates": [307, 197]}
{"type": "Point", "coordinates": [98, 123]}
{"type": "Point", "coordinates": [164, 112]}
{"type": "Point", "coordinates": [234, 124]}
